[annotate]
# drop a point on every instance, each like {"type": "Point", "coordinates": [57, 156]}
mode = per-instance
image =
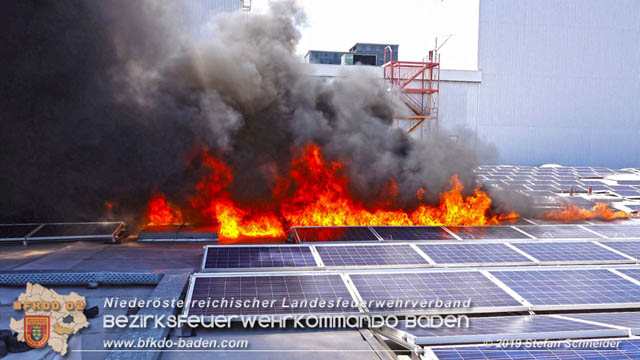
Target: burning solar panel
{"type": "Point", "coordinates": [76, 231]}
{"type": "Point", "coordinates": [389, 233]}
{"type": "Point", "coordinates": [337, 233]}
{"type": "Point", "coordinates": [178, 233]}
{"type": "Point", "coordinates": [487, 232]}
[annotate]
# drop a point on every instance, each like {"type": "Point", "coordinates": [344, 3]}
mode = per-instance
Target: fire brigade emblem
{"type": "Point", "coordinates": [36, 330]}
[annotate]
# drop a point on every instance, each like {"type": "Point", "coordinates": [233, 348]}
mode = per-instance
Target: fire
{"type": "Point", "coordinates": [572, 212]}
{"type": "Point", "coordinates": [160, 212]}
{"type": "Point", "coordinates": [316, 193]}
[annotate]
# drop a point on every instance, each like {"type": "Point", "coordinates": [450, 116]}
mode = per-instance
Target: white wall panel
{"type": "Point", "coordinates": [560, 81]}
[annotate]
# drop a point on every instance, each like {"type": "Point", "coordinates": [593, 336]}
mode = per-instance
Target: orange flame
{"type": "Point", "coordinates": [572, 212]}
{"type": "Point", "coordinates": [160, 212]}
{"type": "Point", "coordinates": [316, 193]}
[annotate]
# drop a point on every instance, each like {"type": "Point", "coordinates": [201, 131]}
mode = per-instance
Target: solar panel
{"type": "Point", "coordinates": [472, 253]}
{"type": "Point", "coordinates": [628, 193]}
{"type": "Point", "coordinates": [570, 251]}
{"type": "Point", "coordinates": [558, 232]}
{"type": "Point", "coordinates": [629, 182]}
{"type": "Point", "coordinates": [17, 231]}
{"type": "Point", "coordinates": [552, 288]}
{"type": "Point", "coordinates": [369, 255]}
{"type": "Point", "coordinates": [628, 349]}
{"type": "Point", "coordinates": [377, 289]}
{"type": "Point", "coordinates": [620, 187]}
{"type": "Point", "coordinates": [543, 187]}
{"type": "Point", "coordinates": [616, 231]}
{"type": "Point", "coordinates": [628, 319]}
{"type": "Point", "coordinates": [494, 328]}
{"type": "Point", "coordinates": [412, 233]}
{"type": "Point", "coordinates": [76, 230]}
{"type": "Point", "coordinates": [255, 256]}
{"type": "Point", "coordinates": [633, 273]}
{"type": "Point", "coordinates": [337, 233]}
{"type": "Point", "coordinates": [279, 292]}
{"type": "Point", "coordinates": [631, 248]}
{"type": "Point", "coordinates": [487, 232]}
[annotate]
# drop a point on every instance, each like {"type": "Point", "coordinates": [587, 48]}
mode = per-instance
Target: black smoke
{"type": "Point", "coordinates": [113, 101]}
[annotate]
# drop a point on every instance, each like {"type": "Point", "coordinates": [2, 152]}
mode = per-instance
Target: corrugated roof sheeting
{"type": "Point", "coordinates": [561, 81]}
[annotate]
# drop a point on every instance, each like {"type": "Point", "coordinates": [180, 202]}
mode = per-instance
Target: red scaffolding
{"type": "Point", "coordinates": [418, 85]}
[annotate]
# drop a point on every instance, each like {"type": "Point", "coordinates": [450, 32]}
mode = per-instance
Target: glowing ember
{"type": "Point", "coordinates": [572, 212]}
{"type": "Point", "coordinates": [160, 212]}
{"type": "Point", "coordinates": [315, 193]}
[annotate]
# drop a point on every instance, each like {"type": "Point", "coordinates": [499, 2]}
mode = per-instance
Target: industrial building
{"type": "Point", "coordinates": [557, 82]}
{"type": "Point", "coordinates": [367, 49]}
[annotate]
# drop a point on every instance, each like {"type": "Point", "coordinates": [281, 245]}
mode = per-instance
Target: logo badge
{"type": "Point", "coordinates": [36, 330]}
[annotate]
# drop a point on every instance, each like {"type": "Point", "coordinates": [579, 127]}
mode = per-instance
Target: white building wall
{"type": "Point", "coordinates": [560, 81]}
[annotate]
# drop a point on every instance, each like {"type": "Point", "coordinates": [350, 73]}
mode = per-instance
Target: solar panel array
{"type": "Point", "coordinates": [446, 233]}
{"type": "Point", "coordinates": [537, 182]}
{"type": "Point", "coordinates": [405, 255]}
{"type": "Point", "coordinates": [507, 288]}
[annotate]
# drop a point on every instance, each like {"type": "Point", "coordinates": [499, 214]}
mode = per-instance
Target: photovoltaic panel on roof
{"type": "Point", "coordinates": [543, 187]}
{"type": "Point", "coordinates": [495, 328]}
{"type": "Point", "coordinates": [487, 232]}
{"type": "Point", "coordinates": [338, 233]}
{"type": "Point", "coordinates": [571, 287]}
{"type": "Point", "coordinates": [633, 273]}
{"type": "Point", "coordinates": [378, 289]}
{"type": "Point", "coordinates": [369, 255]}
{"type": "Point", "coordinates": [628, 319]}
{"type": "Point", "coordinates": [628, 349]}
{"type": "Point", "coordinates": [389, 233]}
{"type": "Point", "coordinates": [631, 248]}
{"type": "Point", "coordinates": [248, 256]}
{"type": "Point", "coordinates": [616, 231]}
{"type": "Point", "coordinates": [620, 187]}
{"type": "Point", "coordinates": [570, 251]}
{"type": "Point", "coordinates": [472, 254]}
{"type": "Point", "coordinates": [277, 290]}
{"type": "Point", "coordinates": [18, 231]}
{"type": "Point", "coordinates": [79, 230]}
{"type": "Point", "coordinates": [629, 182]}
{"type": "Point", "coordinates": [628, 193]}
{"type": "Point", "coordinates": [558, 232]}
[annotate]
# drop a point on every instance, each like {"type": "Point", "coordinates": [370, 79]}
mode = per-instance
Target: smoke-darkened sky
{"type": "Point", "coordinates": [109, 101]}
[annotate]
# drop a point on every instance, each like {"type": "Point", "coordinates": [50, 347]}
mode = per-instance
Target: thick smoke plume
{"type": "Point", "coordinates": [105, 102]}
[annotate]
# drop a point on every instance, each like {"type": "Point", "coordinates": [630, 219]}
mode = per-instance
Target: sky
{"type": "Point", "coordinates": [413, 24]}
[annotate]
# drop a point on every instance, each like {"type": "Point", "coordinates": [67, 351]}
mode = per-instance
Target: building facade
{"type": "Point", "coordinates": [324, 57]}
{"type": "Point", "coordinates": [375, 49]}
{"type": "Point", "coordinates": [560, 81]}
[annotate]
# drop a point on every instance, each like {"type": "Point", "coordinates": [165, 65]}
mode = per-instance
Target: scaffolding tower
{"type": "Point", "coordinates": [418, 86]}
